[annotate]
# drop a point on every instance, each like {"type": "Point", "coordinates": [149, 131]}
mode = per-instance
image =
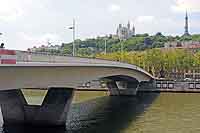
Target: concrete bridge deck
{"type": "Point", "coordinates": [60, 75]}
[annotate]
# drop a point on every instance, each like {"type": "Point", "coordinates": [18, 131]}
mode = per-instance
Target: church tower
{"type": "Point", "coordinates": [186, 25]}
{"type": "Point", "coordinates": [129, 25]}
{"type": "Point", "coordinates": [133, 30]}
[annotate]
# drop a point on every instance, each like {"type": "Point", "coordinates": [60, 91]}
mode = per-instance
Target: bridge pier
{"type": "Point", "coordinates": [122, 88]}
{"type": "Point", "coordinates": [12, 106]}
{"type": "Point", "coordinates": [52, 112]}
{"type": "Point", "coordinates": [113, 88]}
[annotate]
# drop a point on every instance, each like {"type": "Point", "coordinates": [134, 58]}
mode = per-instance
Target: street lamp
{"type": "Point", "coordinates": [105, 46]}
{"type": "Point", "coordinates": [122, 50]}
{"type": "Point", "coordinates": [2, 44]}
{"type": "Point", "coordinates": [73, 28]}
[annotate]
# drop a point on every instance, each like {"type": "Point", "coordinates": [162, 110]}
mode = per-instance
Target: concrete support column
{"type": "Point", "coordinates": [122, 88]}
{"type": "Point", "coordinates": [12, 106]}
{"type": "Point", "coordinates": [131, 89]}
{"type": "Point", "coordinates": [54, 109]}
{"type": "Point", "coordinates": [52, 112]}
{"type": "Point", "coordinates": [113, 88]}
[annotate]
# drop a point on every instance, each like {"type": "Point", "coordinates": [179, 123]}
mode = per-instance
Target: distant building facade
{"type": "Point", "coordinates": [185, 44]}
{"type": "Point", "coordinates": [125, 32]}
{"type": "Point", "coordinates": [45, 48]}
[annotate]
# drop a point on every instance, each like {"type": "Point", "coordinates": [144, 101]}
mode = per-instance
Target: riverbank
{"type": "Point", "coordinates": [170, 90]}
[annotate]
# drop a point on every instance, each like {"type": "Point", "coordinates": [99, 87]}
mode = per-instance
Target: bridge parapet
{"type": "Point", "coordinates": [23, 56]}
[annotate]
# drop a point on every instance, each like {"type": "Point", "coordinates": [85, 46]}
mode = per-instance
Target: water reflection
{"type": "Point", "coordinates": [32, 129]}
{"type": "Point", "coordinates": [108, 114]}
{"type": "Point", "coordinates": [101, 115]}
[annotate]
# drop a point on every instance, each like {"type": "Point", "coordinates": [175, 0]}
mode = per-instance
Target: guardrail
{"type": "Point", "coordinates": [25, 56]}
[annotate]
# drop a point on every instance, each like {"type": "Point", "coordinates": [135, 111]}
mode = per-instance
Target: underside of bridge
{"type": "Point", "coordinates": [14, 108]}
{"type": "Point", "coordinates": [52, 112]}
{"type": "Point", "coordinates": [121, 85]}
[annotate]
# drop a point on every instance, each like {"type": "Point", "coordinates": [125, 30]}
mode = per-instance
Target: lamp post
{"type": "Point", "coordinates": [2, 44]}
{"type": "Point", "coordinates": [122, 50]}
{"type": "Point", "coordinates": [73, 28]}
{"type": "Point", "coordinates": [105, 50]}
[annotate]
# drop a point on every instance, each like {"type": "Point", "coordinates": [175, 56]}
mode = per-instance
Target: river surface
{"type": "Point", "coordinates": [96, 112]}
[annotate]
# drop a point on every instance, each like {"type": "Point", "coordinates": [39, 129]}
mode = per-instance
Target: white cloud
{"type": "Point", "coordinates": [183, 5]}
{"type": "Point", "coordinates": [145, 19]}
{"type": "Point", "coordinates": [10, 10]}
{"type": "Point", "coordinates": [40, 20]}
{"type": "Point", "coordinates": [40, 40]}
{"type": "Point", "coordinates": [152, 25]}
{"type": "Point", "coordinates": [114, 8]}
{"type": "Point", "coordinates": [50, 37]}
{"type": "Point", "coordinates": [26, 37]}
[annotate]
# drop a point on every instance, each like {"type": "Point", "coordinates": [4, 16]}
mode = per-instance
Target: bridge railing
{"type": "Point", "coordinates": [24, 56]}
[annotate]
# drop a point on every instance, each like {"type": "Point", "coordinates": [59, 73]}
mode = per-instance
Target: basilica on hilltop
{"type": "Point", "coordinates": [125, 32]}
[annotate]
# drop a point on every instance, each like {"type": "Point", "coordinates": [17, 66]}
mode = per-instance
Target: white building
{"type": "Point", "coordinates": [125, 32]}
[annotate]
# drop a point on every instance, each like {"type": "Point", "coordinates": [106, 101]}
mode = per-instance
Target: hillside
{"type": "Point", "coordinates": [140, 42]}
{"type": "Point", "coordinates": [91, 47]}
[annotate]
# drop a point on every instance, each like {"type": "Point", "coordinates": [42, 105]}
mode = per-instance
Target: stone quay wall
{"type": "Point", "coordinates": [170, 86]}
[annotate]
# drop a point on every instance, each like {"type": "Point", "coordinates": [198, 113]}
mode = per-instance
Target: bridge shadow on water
{"type": "Point", "coordinates": [101, 115]}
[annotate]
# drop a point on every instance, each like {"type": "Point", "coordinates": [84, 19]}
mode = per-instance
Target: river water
{"type": "Point", "coordinates": [96, 112]}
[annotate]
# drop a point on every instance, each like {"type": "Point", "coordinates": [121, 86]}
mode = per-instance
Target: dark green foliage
{"type": "Point", "coordinates": [139, 42]}
{"type": "Point", "coordinates": [196, 37]}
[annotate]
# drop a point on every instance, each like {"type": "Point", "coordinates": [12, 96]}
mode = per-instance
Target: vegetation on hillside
{"type": "Point", "coordinates": [155, 60]}
{"type": "Point", "coordinates": [140, 42]}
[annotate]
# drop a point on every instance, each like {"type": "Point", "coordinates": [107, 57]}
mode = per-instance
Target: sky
{"type": "Point", "coordinates": [28, 23]}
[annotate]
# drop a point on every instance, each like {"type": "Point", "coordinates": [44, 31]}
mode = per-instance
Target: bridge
{"type": "Point", "coordinates": [60, 75]}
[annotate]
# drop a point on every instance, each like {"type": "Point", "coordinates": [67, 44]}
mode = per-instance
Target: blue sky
{"type": "Point", "coordinates": [28, 23]}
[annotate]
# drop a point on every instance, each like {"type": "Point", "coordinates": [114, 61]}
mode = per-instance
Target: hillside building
{"type": "Point", "coordinates": [125, 32]}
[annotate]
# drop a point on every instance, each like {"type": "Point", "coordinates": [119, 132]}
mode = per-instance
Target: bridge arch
{"type": "Point", "coordinates": [60, 79]}
{"type": "Point", "coordinates": [121, 85]}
